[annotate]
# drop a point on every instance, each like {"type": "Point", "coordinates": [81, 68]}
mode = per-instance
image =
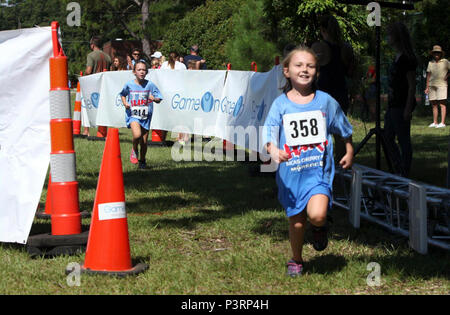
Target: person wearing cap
{"type": "Point", "coordinates": [157, 60]}
{"type": "Point", "coordinates": [436, 88]}
{"type": "Point", "coordinates": [200, 62]}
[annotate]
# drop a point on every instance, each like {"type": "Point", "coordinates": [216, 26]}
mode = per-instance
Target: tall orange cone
{"type": "Point", "coordinates": [66, 235]}
{"type": "Point", "coordinates": [77, 112]}
{"type": "Point", "coordinates": [108, 248]}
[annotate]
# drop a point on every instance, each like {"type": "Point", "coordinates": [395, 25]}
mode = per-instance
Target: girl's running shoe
{"type": "Point", "coordinates": [142, 165]}
{"type": "Point", "coordinates": [294, 269]}
{"type": "Point", "coordinates": [133, 157]}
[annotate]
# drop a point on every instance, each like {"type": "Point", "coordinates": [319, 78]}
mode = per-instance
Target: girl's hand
{"type": "Point", "coordinates": [347, 161]}
{"type": "Point", "coordinates": [151, 98]}
{"type": "Point", "coordinates": [278, 155]}
{"type": "Point", "coordinates": [127, 106]}
{"type": "Point", "coordinates": [426, 91]}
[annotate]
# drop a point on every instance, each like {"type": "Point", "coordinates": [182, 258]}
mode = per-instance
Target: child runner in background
{"type": "Point", "coordinates": [138, 96]}
{"type": "Point", "coordinates": [297, 135]}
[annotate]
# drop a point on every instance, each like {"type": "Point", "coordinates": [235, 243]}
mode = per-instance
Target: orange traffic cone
{"type": "Point", "coordinates": [158, 138]}
{"type": "Point", "coordinates": [108, 248]}
{"type": "Point", "coordinates": [101, 134]}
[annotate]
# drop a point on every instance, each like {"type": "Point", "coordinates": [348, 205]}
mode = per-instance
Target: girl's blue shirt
{"type": "Point", "coordinates": [139, 94]}
{"type": "Point", "coordinates": [310, 169]}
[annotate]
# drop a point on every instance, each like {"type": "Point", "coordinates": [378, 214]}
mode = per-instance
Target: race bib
{"type": "Point", "coordinates": [139, 112]}
{"type": "Point", "coordinates": [304, 128]}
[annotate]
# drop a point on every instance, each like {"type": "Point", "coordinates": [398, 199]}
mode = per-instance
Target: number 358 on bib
{"type": "Point", "coordinates": [304, 128]}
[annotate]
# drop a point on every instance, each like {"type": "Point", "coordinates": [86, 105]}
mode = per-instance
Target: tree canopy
{"type": "Point", "coordinates": [227, 31]}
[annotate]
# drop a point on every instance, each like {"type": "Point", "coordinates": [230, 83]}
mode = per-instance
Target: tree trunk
{"type": "Point", "coordinates": [145, 37]}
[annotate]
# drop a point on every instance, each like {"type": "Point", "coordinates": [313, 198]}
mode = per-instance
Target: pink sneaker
{"type": "Point", "coordinates": [133, 157]}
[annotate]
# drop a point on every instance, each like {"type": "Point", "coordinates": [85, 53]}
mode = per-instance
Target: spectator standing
{"type": "Point", "coordinates": [97, 61]}
{"type": "Point", "coordinates": [157, 60]}
{"type": "Point", "coordinates": [173, 63]}
{"type": "Point", "coordinates": [136, 55]}
{"type": "Point", "coordinates": [370, 92]}
{"type": "Point", "coordinates": [118, 64]}
{"type": "Point", "coordinates": [336, 62]}
{"type": "Point", "coordinates": [194, 55]}
{"type": "Point", "coordinates": [401, 96]}
{"type": "Point", "coordinates": [437, 75]}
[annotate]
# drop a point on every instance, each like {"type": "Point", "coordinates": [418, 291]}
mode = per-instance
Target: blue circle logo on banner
{"type": "Point", "coordinates": [261, 110]}
{"type": "Point", "coordinates": [238, 106]}
{"type": "Point", "coordinates": [94, 99]}
{"type": "Point", "coordinates": [207, 102]}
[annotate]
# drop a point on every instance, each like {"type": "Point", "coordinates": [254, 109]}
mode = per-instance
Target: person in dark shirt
{"type": "Point", "coordinates": [194, 56]}
{"type": "Point", "coordinates": [336, 61]}
{"type": "Point", "coordinates": [401, 96]}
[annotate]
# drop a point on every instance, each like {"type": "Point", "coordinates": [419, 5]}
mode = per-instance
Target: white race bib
{"type": "Point", "coordinates": [139, 112]}
{"type": "Point", "coordinates": [304, 128]}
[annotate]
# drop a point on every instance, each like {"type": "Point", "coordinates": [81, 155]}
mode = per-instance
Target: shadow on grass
{"type": "Point", "coordinates": [198, 186]}
{"type": "Point", "coordinates": [399, 260]}
{"type": "Point", "coordinates": [326, 264]}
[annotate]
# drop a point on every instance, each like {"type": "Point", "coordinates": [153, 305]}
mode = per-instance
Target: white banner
{"type": "Point", "coordinates": [24, 128]}
{"type": "Point", "coordinates": [228, 104]}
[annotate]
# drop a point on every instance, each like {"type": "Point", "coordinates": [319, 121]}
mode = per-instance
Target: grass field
{"type": "Point", "coordinates": [210, 228]}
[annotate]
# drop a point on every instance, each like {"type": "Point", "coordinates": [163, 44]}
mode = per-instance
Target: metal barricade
{"type": "Point", "coordinates": [412, 209]}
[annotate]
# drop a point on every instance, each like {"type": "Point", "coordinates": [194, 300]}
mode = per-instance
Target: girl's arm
{"type": "Point", "coordinates": [125, 103]}
{"type": "Point", "coordinates": [276, 154]}
{"type": "Point", "coordinates": [154, 99]}
{"type": "Point", "coordinates": [347, 160]}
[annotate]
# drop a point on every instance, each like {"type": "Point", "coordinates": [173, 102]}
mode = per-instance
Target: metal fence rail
{"type": "Point", "coordinates": [415, 210]}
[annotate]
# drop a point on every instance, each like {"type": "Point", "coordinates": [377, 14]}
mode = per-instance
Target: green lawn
{"type": "Point", "coordinates": [210, 228]}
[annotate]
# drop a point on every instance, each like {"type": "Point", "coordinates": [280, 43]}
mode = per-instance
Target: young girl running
{"type": "Point", "coordinates": [138, 96]}
{"type": "Point", "coordinates": [298, 133]}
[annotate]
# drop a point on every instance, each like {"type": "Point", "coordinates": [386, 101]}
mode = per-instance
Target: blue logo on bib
{"type": "Point", "coordinates": [94, 99]}
{"type": "Point", "coordinates": [207, 102]}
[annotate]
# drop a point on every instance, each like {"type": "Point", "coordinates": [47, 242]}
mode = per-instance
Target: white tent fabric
{"type": "Point", "coordinates": [24, 128]}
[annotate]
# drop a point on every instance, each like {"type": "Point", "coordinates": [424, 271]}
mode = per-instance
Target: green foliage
{"type": "Point", "coordinates": [209, 26]}
{"type": "Point", "coordinates": [105, 18]}
{"type": "Point", "coordinates": [250, 40]}
{"type": "Point", "coordinates": [298, 21]}
{"type": "Point", "coordinates": [432, 28]}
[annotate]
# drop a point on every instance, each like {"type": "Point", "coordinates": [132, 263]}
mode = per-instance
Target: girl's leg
{"type": "Point", "coordinates": [317, 209]}
{"type": "Point", "coordinates": [136, 133]}
{"type": "Point", "coordinates": [143, 142]}
{"type": "Point", "coordinates": [317, 212]}
{"type": "Point", "coordinates": [297, 224]}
